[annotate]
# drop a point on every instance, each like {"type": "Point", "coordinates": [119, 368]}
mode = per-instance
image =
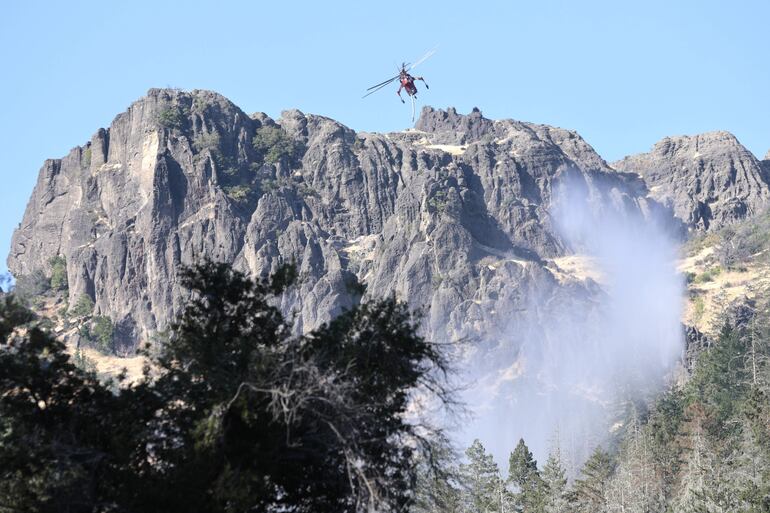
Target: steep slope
{"type": "Point", "coordinates": [709, 180]}
{"type": "Point", "coordinates": [453, 216]}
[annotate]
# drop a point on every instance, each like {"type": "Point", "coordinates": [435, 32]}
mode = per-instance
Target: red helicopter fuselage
{"type": "Point", "coordinates": [407, 82]}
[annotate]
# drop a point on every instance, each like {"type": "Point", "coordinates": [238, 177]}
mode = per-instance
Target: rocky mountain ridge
{"type": "Point", "coordinates": [453, 216]}
{"type": "Point", "coordinates": [709, 180]}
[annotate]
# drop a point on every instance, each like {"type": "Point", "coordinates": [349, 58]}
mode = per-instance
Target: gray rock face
{"type": "Point", "coordinates": [709, 180]}
{"type": "Point", "coordinates": [695, 343]}
{"type": "Point", "coordinates": [453, 216]}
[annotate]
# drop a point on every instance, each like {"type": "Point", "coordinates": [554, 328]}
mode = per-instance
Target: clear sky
{"type": "Point", "coordinates": [623, 75]}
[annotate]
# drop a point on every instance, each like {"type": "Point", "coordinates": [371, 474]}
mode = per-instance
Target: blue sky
{"type": "Point", "coordinates": [623, 75]}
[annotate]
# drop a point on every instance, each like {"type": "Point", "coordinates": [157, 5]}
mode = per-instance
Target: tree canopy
{"type": "Point", "coordinates": [233, 414]}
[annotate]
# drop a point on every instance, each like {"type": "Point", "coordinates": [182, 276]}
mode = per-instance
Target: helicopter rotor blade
{"type": "Point", "coordinates": [388, 81]}
{"type": "Point", "coordinates": [377, 88]}
{"type": "Point", "coordinates": [424, 58]}
{"type": "Point", "coordinates": [404, 65]}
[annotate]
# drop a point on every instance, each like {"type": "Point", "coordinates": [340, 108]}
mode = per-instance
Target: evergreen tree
{"type": "Point", "coordinates": [591, 489]}
{"type": "Point", "coordinates": [525, 480]}
{"type": "Point", "coordinates": [63, 434]}
{"type": "Point", "coordinates": [556, 499]}
{"type": "Point", "coordinates": [720, 380]}
{"type": "Point", "coordinates": [702, 481]}
{"type": "Point", "coordinates": [238, 414]}
{"type": "Point", "coordinates": [438, 489]}
{"type": "Point", "coordinates": [636, 485]}
{"type": "Point", "coordinates": [663, 426]}
{"type": "Point", "coordinates": [750, 467]}
{"type": "Point", "coordinates": [58, 273]}
{"type": "Point", "coordinates": [484, 490]}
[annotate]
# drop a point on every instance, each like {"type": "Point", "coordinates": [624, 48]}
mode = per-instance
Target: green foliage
{"type": "Point", "coordinates": [58, 273]}
{"type": "Point", "coordinates": [274, 145]}
{"type": "Point", "coordinates": [521, 465]}
{"type": "Point", "coordinates": [239, 415]}
{"type": "Point", "coordinates": [555, 492]}
{"type": "Point", "coordinates": [240, 194]}
{"type": "Point", "coordinates": [438, 202]}
{"type": "Point", "coordinates": [172, 117]}
{"type": "Point", "coordinates": [199, 103]}
{"type": "Point", "coordinates": [484, 490]}
{"type": "Point", "coordinates": [231, 172]}
{"type": "Point", "coordinates": [55, 423]}
{"type": "Point", "coordinates": [102, 330]}
{"type": "Point", "coordinates": [206, 141]}
{"type": "Point", "coordinates": [590, 489]}
{"type": "Point", "coordinates": [86, 160]}
{"type": "Point", "coordinates": [698, 308]}
{"type": "Point", "coordinates": [268, 185]}
{"type": "Point", "coordinates": [666, 419]}
{"type": "Point", "coordinates": [83, 307]}
{"type": "Point", "coordinates": [708, 275]}
{"type": "Point", "coordinates": [439, 484]}
{"type": "Point", "coordinates": [525, 479]}
{"type": "Point", "coordinates": [719, 381]}
{"type": "Point", "coordinates": [13, 315]}
{"type": "Point", "coordinates": [302, 189]}
{"type": "Point", "coordinates": [31, 286]}
{"type": "Point", "coordinates": [307, 191]}
{"type": "Point", "coordinates": [98, 333]}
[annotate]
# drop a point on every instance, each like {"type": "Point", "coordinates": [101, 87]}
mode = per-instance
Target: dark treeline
{"type": "Point", "coordinates": [234, 414]}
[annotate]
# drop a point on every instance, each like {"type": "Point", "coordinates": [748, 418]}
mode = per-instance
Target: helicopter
{"type": "Point", "coordinates": [406, 81]}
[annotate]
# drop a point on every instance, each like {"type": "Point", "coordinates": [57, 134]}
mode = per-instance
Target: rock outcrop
{"type": "Point", "coordinates": [453, 216]}
{"type": "Point", "coordinates": [709, 180]}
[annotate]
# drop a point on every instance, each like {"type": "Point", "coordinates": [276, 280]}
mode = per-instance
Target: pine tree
{"type": "Point", "coordinates": [484, 492]}
{"type": "Point", "coordinates": [590, 490]}
{"type": "Point", "coordinates": [437, 489]}
{"type": "Point", "coordinates": [524, 479]}
{"type": "Point", "coordinates": [637, 483]}
{"type": "Point", "coordinates": [705, 484]}
{"type": "Point", "coordinates": [556, 498]}
{"type": "Point", "coordinates": [749, 467]}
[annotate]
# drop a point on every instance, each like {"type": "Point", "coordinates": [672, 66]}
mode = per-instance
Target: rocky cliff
{"type": "Point", "coordinates": [709, 180]}
{"type": "Point", "coordinates": [453, 216]}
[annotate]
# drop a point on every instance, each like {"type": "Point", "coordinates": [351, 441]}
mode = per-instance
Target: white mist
{"type": "Point", "coordinates": [571, 361]}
